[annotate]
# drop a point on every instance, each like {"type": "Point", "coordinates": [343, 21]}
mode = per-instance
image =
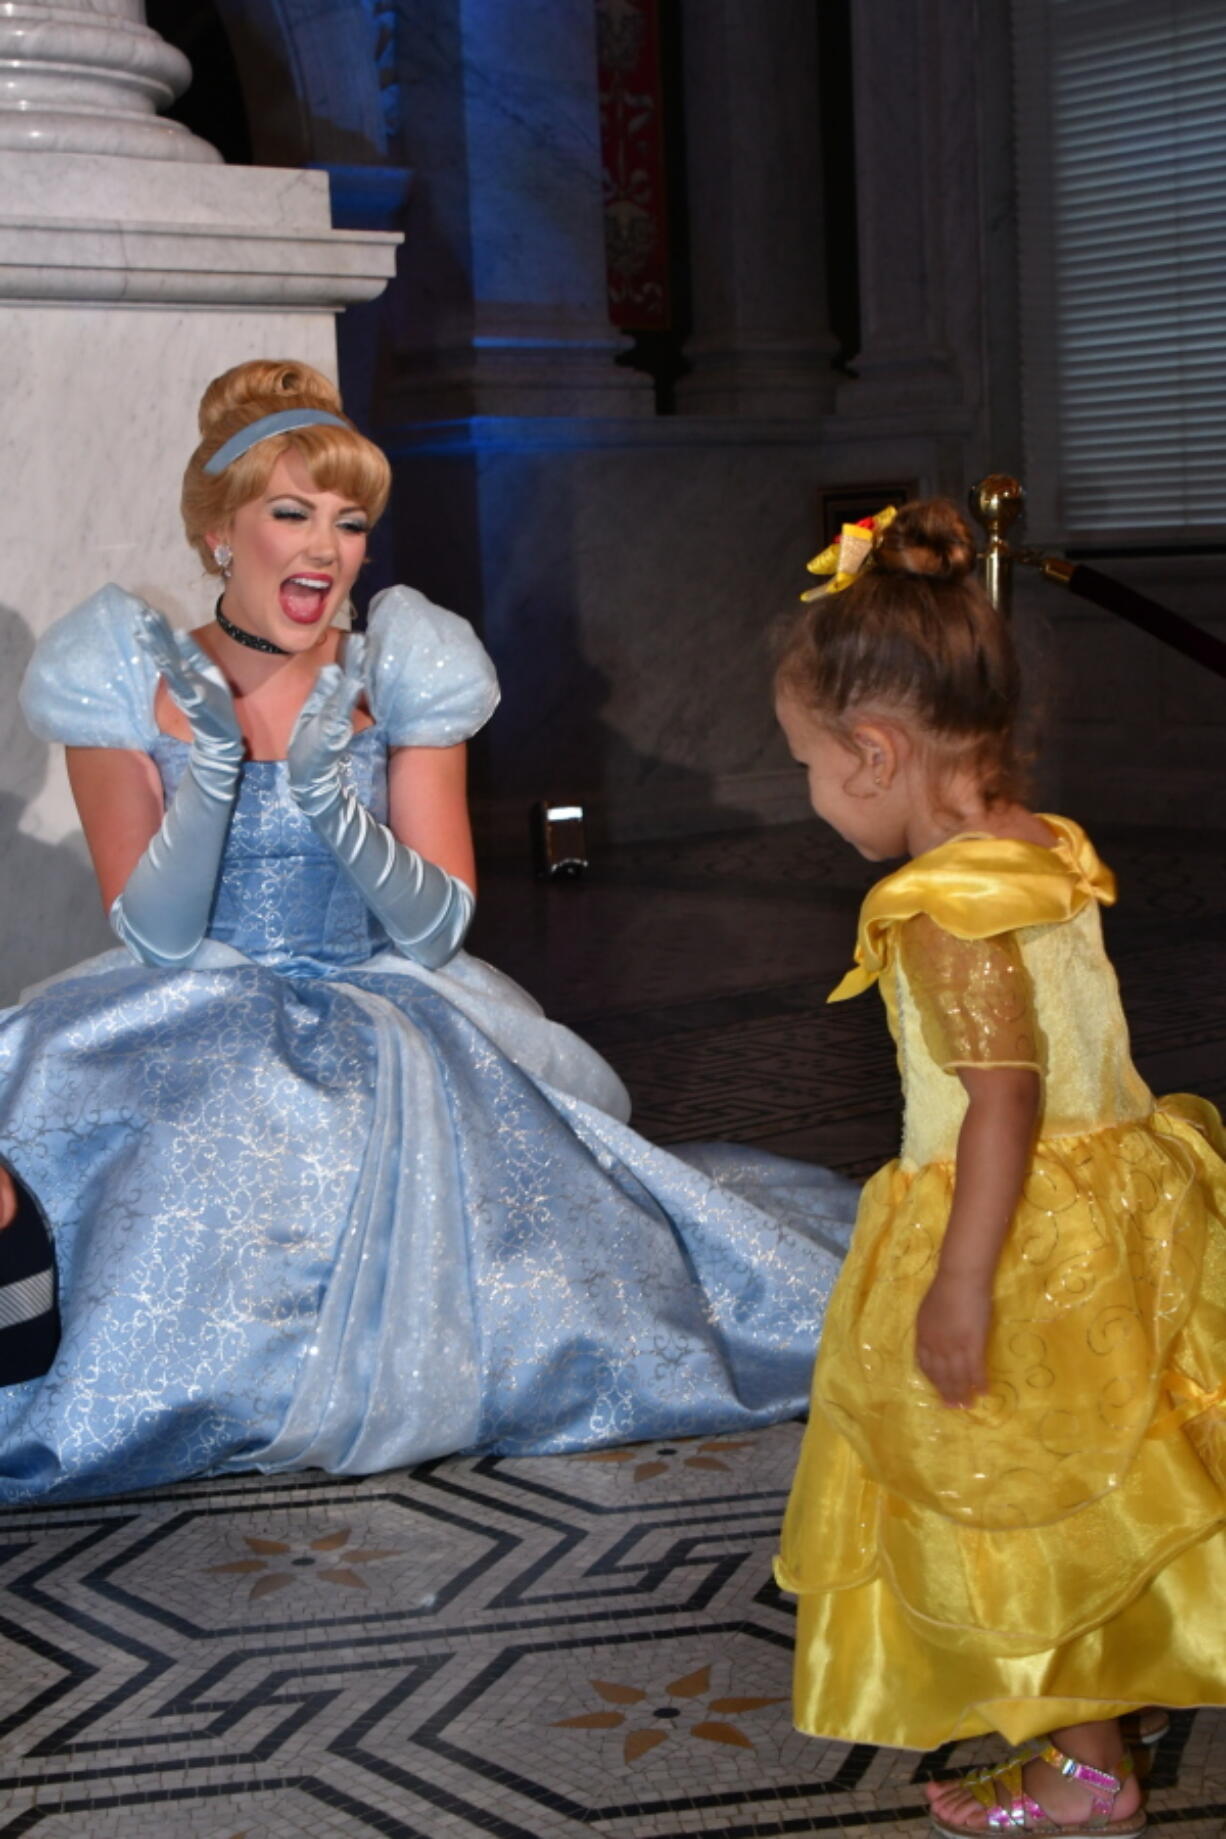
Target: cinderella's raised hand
{"type": "Point", "coordinates": [196, 686]}
{"type": "Point", "coordinates": [424, 910]}
{"type": "Point", "coordinates": [323, 731]}
{"type": "Point", "coordinates": [162, 913]}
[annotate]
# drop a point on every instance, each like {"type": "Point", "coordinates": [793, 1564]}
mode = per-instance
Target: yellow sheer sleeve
{"type": "Point", "coordinates": [973, 996]}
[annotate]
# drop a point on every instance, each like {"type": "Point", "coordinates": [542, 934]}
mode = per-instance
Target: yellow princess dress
{"type": "Point", "coordinates": [1053, 1553]}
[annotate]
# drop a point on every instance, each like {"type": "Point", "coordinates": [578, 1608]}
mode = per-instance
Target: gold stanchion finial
{"type": "Point", "coordinates": [996, 503]}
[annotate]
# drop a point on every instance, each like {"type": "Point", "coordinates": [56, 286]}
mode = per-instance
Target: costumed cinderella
{"type": "Point", "coordinates": [324, 1191]}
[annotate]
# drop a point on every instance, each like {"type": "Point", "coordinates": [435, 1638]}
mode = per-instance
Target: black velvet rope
{"type": "Point", "coordinates": [1172, 628]}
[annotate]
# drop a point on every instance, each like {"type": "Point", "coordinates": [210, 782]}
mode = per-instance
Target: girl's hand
{"type": "Point", "coordinates": [8, 1199]}
{"type": "Point", "coordinates": [198, 688]}
{"type": "Point", "coordinates": [951, 1336]}
{"type": "Point", "coordinates": [323, 731]}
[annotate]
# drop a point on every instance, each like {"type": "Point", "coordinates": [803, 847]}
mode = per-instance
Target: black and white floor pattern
{"type": "Point", "coordinates": [544, 1649]}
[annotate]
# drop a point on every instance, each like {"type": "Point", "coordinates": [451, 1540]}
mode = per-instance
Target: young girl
{"type": "Point", "coordinates": [1008, 1510]}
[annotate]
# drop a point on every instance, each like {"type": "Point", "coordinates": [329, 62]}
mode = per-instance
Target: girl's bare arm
{"type": "Point", "coordinates": [994, 1148]}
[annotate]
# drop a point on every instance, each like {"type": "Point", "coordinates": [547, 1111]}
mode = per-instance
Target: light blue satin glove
{"type": "Point", "coordinates": [424, 911]}
{"type": "Point", "coordinates": [163, 913]}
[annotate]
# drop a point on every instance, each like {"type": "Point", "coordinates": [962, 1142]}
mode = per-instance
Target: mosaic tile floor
{"type": "Point", "coordinates": [547, 1648]}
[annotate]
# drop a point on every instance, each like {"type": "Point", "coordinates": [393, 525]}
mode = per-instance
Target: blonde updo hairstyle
{"type": "Point", "coordinates": [338, 459]}
{"type": "Point", "coordinates": [915, 636]}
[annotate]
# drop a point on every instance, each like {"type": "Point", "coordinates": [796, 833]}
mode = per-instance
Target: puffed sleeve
{"type": "Point", "coordinates": [430, 681]}
{"type": "Point", "coordinates": [973, 996]}
{"type": "Point", "coordinates": [89, 683]}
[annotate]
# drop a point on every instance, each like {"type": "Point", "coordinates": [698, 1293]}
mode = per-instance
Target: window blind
{"type": "Point", "coordinates": [1121, 141]}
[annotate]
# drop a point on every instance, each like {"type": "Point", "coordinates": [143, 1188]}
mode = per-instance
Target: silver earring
{"type": "Point", "coordinates": [223, 555]}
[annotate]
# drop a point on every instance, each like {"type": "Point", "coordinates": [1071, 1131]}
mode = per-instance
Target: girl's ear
{"type": "Point", "coordinates": [878, 747]}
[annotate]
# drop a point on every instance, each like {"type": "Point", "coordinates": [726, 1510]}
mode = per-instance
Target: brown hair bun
{"type": "Point", "coordinates": [264, 385]}
{"type": "Point", "coordinates": [929, 538]}
{"type": "Point", "coordinates": [917, 634]}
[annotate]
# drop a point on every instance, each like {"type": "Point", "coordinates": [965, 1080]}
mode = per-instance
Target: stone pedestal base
{"type": "Point", "coordinates": [499, 377]}
{"type": "Point", "coordinates": [791, 382]}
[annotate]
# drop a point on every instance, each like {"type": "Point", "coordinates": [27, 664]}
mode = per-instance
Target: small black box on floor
{"type": "Point", "coordinates": [559, 842]}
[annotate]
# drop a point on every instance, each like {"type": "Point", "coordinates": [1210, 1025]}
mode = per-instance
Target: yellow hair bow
{"type": "Point", "coordinates": [845, 557]}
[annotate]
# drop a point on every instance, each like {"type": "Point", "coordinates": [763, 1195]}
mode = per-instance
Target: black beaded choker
{"type": "Point", "coordinates": [248, 639]}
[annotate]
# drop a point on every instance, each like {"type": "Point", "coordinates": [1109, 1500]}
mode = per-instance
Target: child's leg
{"type": "Point", "coordinates": [1063, 1798]}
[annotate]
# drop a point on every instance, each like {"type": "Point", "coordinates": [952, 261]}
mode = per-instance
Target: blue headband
{"type": "Point", "coordinates": [283, 422]}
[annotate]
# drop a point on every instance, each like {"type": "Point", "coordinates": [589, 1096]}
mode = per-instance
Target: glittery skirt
{"type": "Point", "coordinates": [355, 1217]}
{"type": "Point", "coordinates": [1055, 1551]}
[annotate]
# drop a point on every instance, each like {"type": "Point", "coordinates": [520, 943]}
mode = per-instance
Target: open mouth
{"type": "Point", "coordinates": [303, 598]}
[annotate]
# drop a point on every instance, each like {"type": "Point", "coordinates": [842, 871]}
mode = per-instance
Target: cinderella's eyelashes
{"type": "Point", "coordinates": [296, 514]}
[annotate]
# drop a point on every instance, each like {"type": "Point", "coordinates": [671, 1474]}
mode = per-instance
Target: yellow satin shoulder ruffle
{"type": "Point", "coordinates": [976, 887]}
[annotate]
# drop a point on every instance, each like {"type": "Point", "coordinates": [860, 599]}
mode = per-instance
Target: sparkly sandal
{"type": "Point", "coordinates": [1010, 1808]}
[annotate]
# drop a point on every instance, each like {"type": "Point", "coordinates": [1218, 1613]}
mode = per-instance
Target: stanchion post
{"type": "Point", "coordinates": [996, 503]}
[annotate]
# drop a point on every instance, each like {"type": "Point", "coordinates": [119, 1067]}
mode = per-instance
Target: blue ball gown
{"type": "Point", "coordinates": [315, 1206]}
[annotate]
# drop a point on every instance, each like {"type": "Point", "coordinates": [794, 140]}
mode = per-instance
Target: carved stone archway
{"type": "Point", "coordinates": [318, 78]}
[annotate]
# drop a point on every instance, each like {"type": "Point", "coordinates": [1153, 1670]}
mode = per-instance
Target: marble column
{"type": "Point", "coordinates": [318, 78]}
{"type": "Point", "coordinates": [761, 344]}
{"type": "Point", "coordinates": [918, 208]}
{"type": "Point", "coordinates": [501, 128]}
{"type": "Point", "coordinates": [134, 266]}
{"type": "Point", "coordinates": [621, 566]}
{"type": "Point", "coordinates": [88, 76]}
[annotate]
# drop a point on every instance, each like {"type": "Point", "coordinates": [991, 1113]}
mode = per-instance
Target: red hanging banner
{"type": "Point", "coordinates": [632, 147]}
